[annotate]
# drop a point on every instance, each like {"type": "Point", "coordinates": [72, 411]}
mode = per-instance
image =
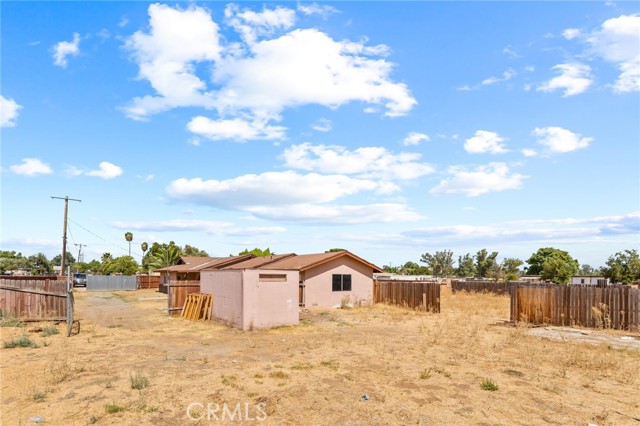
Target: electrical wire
{"type": "Point", "coordinates": [105, 240]}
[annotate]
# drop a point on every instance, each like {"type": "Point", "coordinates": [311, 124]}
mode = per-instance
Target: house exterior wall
{"type": "Point", "coordinates": [586, 280]}
{"type": "Point", "coordinates": [270, 298]}
{"type": "Point", "coordinates": [226, 288]}
{"type": "Point", "coordinates": [318, 283]}
{"type": "Point", "coordinates": [253, 298]}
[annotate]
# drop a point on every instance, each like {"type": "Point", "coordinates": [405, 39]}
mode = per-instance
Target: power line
{"type": "Point", "coordinates": [104, 239]}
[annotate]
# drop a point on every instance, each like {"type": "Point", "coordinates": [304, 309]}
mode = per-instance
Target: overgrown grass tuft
{"type": "Point", "coordinates": [9, 320]}
{"type": "Point", "coordinates": [50, 330]}
{"type": "Point", "coordinates": [278, 375]}
{"type": "Point", "coordinates": [20, 342]}
{"type": "Point", "coordinates": [139, 381]}
{"type": "Point", "coordinates": [489, 385]}
{"type": "Point", "coordinates": [113, 408]}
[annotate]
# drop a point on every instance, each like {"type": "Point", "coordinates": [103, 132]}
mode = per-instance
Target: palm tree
{"type": "Point", "coordinates": [144, 246]}
{"type": "Point", "coordinates": [128, 236]}
{"type": "Point", "coordinates": [166, 256]}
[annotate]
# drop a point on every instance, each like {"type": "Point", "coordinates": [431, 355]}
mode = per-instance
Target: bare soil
{"type": "Point", "coordinates": [414, 368]}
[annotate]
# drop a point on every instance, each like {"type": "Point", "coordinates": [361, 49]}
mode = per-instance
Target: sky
{"type": "Point", "coordinates": [390, 129]}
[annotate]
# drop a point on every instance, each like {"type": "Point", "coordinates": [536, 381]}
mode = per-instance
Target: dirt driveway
{"type": "Point", "coordinates": [381, 365]}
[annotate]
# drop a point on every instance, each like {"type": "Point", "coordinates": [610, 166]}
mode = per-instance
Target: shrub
{"type": "Point", "coordinates": [20, 342]}
{"type": "Point", "coordinates": [113, 408]}
{"type": "Point", "coordinates": [139, 381]}
{"type": "Point", "coordinates": [50, 330]}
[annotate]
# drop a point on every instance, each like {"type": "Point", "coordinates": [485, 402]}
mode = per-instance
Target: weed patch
{"type": "Point", "coordinates": [20, 342]}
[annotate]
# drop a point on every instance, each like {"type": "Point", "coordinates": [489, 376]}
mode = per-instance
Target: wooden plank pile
{"type": "Point", "coordinates": [197, 306]}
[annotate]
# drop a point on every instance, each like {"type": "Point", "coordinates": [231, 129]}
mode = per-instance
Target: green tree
{"type": "Point", "coordinates": [257, 252]}
{"type": "Point", "coordinates": [144, 247]}
{"type": "Point", "coordinates": [511, 267]}
{"type": "Point", "coordinates": [466, 267]}
{"type": "Point", "coordinates": [412, 268]}
{"type": "Point", "coordinates": [623, 267]}
{"type": "Point", "coordinates": [163, 257]}
{"type": "Point", "coordinates": [129, 237]}
{"type": "Point", "coordinates": [193, 251]}
{"type": "Point", "coordinates": [335, 250]}
{"type": "Point", "coordinates": [440, 263]}
{"type": "Point", "coordinates": [552, 264]}
{"type": "Point", "coordinates": [586, 270]}
{"type": "Point", "coordinates": [10, 261]}
{"type": "Point", "coordinates": [390, 269]}
{"type": "Point", "coordinates": [125, 265]}
{"type": "Point", "coordinates": [38, 264]}
{"type": "Point", "coordinates": [69, 260]}
{"type": "Point", "coordinates": [485, 262]}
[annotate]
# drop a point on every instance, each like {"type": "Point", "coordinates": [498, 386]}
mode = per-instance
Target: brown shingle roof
{"type": "Point", "coordinates": [260, 261]}
{"type": "Point", "coordinates": [308, 261]}
{"type": "Point", "coordinates": [195, 264]}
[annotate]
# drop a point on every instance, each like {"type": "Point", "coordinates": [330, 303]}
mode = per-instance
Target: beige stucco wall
{"type": "Point", "coordinates": [318, 283]}
{"type": "Point", "coordinates": [242, 298]}
{"type": "Point", "coordinates": [226, 288]}
{"type": "Point", "coordinates": [269, 303]}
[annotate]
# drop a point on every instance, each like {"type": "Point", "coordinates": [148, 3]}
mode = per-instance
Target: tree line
{"type": "Point", "coordinates": [548, 262]}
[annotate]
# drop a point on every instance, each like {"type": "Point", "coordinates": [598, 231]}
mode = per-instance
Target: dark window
{"type": "Point", "coordinates": [341, 282]}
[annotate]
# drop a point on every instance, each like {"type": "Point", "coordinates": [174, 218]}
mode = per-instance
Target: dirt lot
{"type": "Point", "coordinates": [414, 368]}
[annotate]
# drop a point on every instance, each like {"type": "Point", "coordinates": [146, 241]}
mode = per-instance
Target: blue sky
{"type": "Point", "coordinates": [387, 128]}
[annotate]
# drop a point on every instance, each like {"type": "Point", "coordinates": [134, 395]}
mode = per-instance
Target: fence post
{"type": "Point", "coordinates": [424, 301]}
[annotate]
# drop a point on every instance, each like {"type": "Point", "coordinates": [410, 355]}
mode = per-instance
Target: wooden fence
{"type": "Point", "coordinates": [35, 299]}
{"type": "Point", "coordinates": [616, 307]}
{"type": "Point", "coordinates": [479, 286]}
{"type": "Point", "coordinates": [149, 281]}
{"type": "Point", "coordinates": [413, 294]}
{"type": "Point", "coordinates": [177, 292]}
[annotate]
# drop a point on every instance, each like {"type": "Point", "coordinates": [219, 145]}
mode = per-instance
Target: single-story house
{"type": "Point", "coordinates": [589, 280]}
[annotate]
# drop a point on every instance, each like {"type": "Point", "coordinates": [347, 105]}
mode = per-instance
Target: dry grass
{"type": "Point", "coordinates": [415, 368]}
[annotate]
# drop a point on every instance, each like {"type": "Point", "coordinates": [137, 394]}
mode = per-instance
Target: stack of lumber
{"type": "Point", "coordinates": [197, 306]}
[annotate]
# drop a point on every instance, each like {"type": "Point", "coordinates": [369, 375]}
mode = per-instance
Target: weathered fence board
{"type": "Point", "coordinates": [413, 294]}
{"type": "Point", "coordinates": [111, 282]}
{"type": "Point", "coordinates": [34, 299]}
{"type": "Point", "coordinates": [148, 281]}
{"type": "Point", "coordinates": [478, 286]}
{"type": "Point", "coordinates": [614, 307]}
{"type": "Point", "coordinates": [177, 292]}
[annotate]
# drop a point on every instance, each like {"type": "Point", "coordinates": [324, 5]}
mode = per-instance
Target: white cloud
{"type": "Point", "coordinates": [571, 33]}
{"type": "Point", "coordinates": [528, 152]}
{"type": "Point", "coordinates": [559, 140]}
{"type": "Point", "coordinates": [31, 167]}
{"type": "Point", "coordinates": [618, 41]}
{"type": "Point", "coordinates": [192, 225]}
{"type": "Point", "coordinates": [506, 76]}
{"type": "Point", "coordinates": [251, 25]}
{"type": "Point", "coordinates": [365, 162]}
{"type": "Point", "coordinates": [493, 177]}
{"type": "Point", "coordinates": [414, 138]}
{"type": "Point", "coordinates": [338, 214]}
{"type": "Point", "coordinates": [566, 229]}
{"type": "Point", "coordinates": [9, 111]}
{"type": "Point", "coordinates": [237, 129]}
{"type": "Point", "coordinates": [303, 66]}
{"type": "Point", "coordinates": [510, 52]}
{"type": "Point", "coordinates": [105, 170]}
{"type": "Point", "coordinates": [272, 188]}
{"type": "Point", "coordinates": [316, 9]}
{"type": "Point", "coordinates": [322, 125]}
{"type": "Point", "coordinates": [166, 55]}
{"type": "Point", "coordinates": [484, 142]}
{"type": "Point", "coordinates": [63, 49]}
{"type": "Point", "coordinates": [574, 78]}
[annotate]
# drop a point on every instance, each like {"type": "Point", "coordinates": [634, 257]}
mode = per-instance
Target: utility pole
{"type": "Point", "coordinates": [64, 232]}
{"type": "Point", "coordinates": [80, 245]}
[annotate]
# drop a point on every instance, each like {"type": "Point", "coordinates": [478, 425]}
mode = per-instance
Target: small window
{"type": "Point", "coordinates": [582, 281]}
{"type": "Point", "coordinates": [272, 277]}
{"type": "Point", "coordinates": [341, 282]}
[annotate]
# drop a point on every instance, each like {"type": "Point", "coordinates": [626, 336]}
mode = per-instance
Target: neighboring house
{"type": "Point", "coordinates": [589, 280]}
{"type": "Point", "coordinates": [387, 276]}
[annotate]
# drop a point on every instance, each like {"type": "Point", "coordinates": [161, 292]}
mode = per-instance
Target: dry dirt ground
{"type": "Point", "coordinates": [415, 369]}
